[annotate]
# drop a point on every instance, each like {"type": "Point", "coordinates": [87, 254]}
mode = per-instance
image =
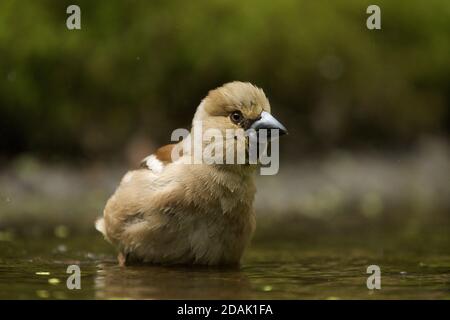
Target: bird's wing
{"type": "Point", "coordinates": [157, 161]}
{"type": "Point", "coordinates": [144, 208]}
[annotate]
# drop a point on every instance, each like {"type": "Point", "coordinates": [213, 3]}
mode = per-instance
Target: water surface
{"type": "Point", "coordinates": [36, 269]}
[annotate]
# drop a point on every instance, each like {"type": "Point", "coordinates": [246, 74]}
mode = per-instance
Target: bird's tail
{"type": "Point", "coordinates": [100, 225]}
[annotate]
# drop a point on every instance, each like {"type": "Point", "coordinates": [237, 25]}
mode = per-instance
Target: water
{"type": "Point", "coordinates": [35, 268]}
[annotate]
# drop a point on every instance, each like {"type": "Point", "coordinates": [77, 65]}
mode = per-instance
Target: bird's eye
{"type": "Point", "coordinates": [236, 117]}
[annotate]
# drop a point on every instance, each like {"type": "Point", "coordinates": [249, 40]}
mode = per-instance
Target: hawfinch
{"type": "Point", "coordinates": [172, 211]}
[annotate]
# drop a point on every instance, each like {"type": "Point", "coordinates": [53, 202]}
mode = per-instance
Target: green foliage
{"type": "Point", "coordinates": [143, 66]}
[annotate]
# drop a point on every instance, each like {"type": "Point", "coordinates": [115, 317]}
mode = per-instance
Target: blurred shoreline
{"type": "Point", "coordinates": [345, 192]}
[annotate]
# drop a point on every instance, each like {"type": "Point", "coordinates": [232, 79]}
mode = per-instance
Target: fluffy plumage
{"type": "Point", "coordinates": [168, 212]}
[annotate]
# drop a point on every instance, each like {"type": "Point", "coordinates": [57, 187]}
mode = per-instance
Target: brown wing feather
{"type": "Point", "coordinates": [163, 154]}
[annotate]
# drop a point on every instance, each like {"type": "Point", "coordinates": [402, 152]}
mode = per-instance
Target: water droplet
{"type": "Point", "coordinates": [54, 281]}
{"type": "Point", "coordinates": [267, 288]}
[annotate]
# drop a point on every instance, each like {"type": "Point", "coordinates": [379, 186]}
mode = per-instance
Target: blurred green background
{"type": "Point", "coordinates": [139, 69]}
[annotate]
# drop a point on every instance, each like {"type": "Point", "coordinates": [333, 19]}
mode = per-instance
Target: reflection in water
{"type": "Point", "coordinates": [37, 270]}
{"type": "Point", "coordinates": [281, 274]}
{"type": "Point", "coordinates": [156, 282]}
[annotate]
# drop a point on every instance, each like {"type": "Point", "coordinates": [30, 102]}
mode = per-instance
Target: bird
{"type": "Point", "coordinates": [175, 212]}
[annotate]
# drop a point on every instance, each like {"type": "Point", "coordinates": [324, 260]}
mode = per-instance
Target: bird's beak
{"type": "Point", "coordinates": [267, 121]}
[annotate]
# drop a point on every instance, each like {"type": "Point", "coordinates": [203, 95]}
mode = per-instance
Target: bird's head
{"type": "Point", "coordinates": [238, 106]}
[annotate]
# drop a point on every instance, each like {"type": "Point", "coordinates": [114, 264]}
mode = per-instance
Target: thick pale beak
{"type": "Point", "coordinates": [268, 122]}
